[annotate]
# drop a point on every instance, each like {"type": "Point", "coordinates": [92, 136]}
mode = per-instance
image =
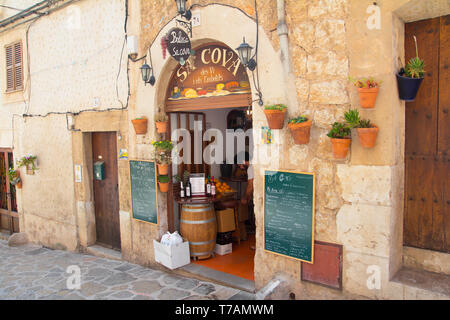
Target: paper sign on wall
{"type": "Point", "coordinates": [78, 173]}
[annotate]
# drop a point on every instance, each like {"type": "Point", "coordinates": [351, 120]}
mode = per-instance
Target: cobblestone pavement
{"type": "Point", "coordinates": [33, 273]}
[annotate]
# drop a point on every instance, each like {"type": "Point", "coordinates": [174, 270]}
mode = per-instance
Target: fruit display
{"type": "Point", "coordinates": [223, 188]}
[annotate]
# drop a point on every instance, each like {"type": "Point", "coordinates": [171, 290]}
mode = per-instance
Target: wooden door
{"type": "Point", "coordinates": [106, 192]}
{"type": "Point", "coordinates": [9, 219]}
{"type": "Point", "coordinates": [427, 173]}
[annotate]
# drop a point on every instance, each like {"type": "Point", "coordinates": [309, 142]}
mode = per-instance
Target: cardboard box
{"type": "Point", "coordinates": [223, 249]}
{"type": "Point", "coordinates": [243, 212]}
{"type": "Point", "coordinates": [172, 257]}
{"type": "Point", "coordinates": [225, 220]}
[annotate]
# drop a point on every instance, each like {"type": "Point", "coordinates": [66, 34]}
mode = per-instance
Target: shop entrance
{"type": "Point", "coordinates": [427, 210]}
{"type": "Point", "coordinates": [9, 218]}
{"type": "Point", "coordinates": [211, 93]}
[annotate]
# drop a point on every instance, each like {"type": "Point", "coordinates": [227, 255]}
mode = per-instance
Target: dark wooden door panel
{"type": "Point", "coordinates": [106, 193]}
{"type": "Point", "coordinates": [9, 219]}
{"type": "Point", "coordinates": [444, 88]}
{"type": "Point", "coordinates": [427, 213]}
{"type": "Point", "coordinates": [421, 115]}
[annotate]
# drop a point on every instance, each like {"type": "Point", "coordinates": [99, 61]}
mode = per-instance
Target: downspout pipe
{"type": "Point", "coordinates": [283, 35]}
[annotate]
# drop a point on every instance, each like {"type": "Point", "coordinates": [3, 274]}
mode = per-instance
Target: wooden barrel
{"type": "Point", "coordinates": [199, 226]}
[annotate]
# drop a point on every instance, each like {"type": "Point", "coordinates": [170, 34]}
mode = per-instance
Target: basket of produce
{"type": "Point", "coordinates": [224, 190]}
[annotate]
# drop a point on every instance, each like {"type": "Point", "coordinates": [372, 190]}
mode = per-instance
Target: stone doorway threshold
{"type": "Point", "coordinates": [428, 281]}
{"type": "Point", "coordinates": [103, 252]}
{"type": "Point", "coordinates": [204, 273]}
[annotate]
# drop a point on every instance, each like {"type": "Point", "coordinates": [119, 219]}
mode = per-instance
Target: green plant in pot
{"type": "Point", "coordinates": [367, 132]}
{"type": "Point", "coordinates": [300, 129]}
{"type": "Point", "coordinates": [163, 183]}
{"type": "Point", "coordinates": [367, 90]}
{"type": "Point", "coordinates": [163, 145]}
{"type": "Point", "coordinates": [140, 125]}
{"type": "Point", "coordinates": [14, 178]}
{"type": "Point", "coordinates": [28, 162]}
{"type": "Point", "coordinates": [163, 160]}
{"type": "Point", "coordinates": [410, 78]}
{"type": "Point", "coordinates": [341, 138]}
{"type": "Point", "coordinates": [162, 121]}
{"type": "Point", "coordinates": [275, 115]}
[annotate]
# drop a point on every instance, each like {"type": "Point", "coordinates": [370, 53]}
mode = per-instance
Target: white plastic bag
{"type": "Point", "coordinates": [175, 238]}
{"type": "Point", "coordinates": [165, 240]}
{"type": "Point", "coordinates": [171, 239]}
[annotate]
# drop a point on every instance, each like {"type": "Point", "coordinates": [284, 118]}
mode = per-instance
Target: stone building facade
{"type": "Point", "coordinates": [78, 66]}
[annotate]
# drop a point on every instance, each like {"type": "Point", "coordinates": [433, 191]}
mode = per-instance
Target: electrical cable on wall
{"type": "Point", "coordinates": [124, 106]}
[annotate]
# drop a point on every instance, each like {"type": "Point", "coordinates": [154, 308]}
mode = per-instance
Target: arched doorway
{"type": "Point", "coordinates": [209, 89]}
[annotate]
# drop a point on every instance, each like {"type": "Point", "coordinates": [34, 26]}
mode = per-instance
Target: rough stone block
{"type": "Point", "coordinates": [364, 229]}
{"type": "Point", "coordinates": [366, 184]}
{"type": "Point", "coordinates": [329, 92]}
{"type": "Point", "coordinates": [321, 8]}
{"type": "Point", "coordinates": [18, 239]}
{"type": "Point", "coordinates": [327, 64]}
{"type": "Point", "coordinates": [331, 35]}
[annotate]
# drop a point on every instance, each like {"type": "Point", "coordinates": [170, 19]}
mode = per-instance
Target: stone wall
{"type": "Point", "coordinates": [359, 200]}
{"type": "Point", "coordinates": [72, 63]}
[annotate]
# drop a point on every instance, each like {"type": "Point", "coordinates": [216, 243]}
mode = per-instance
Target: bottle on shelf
{"type": "Point", "coordinates": [188, 189]}
{"type": "Point", "coordinates": [208, 186]}
{"type": "Point", "coordinates": [182, 194]}
{"type": "Point", "coordinates": [213, 188]}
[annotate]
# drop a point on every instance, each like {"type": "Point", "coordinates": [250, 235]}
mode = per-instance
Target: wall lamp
{"type": "Point", "coordinates": [185, 13]}
{"type": "Point", "coordinates": [147, 74]}
{"type": "Point", "coordinates": [245, 53]}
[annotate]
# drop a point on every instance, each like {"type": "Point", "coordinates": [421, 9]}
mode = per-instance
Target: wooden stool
{"type": "Point", "coordinates": [231, 204]}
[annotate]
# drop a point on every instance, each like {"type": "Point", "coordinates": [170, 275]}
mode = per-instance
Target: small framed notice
{"type": "Point", "coordinates": [197, 181]}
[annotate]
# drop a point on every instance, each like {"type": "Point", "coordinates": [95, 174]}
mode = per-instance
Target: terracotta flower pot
{"type": "Point", "coordinates": [340, 147]}
{"type": "Point", "coordinates": [367, 136]}
{"type": "Point", "coordinates": [161, 127]}
{"type": "Point", "coordinates": [30, 170]}
{"type": "Point", "coordinates": [163, 169]}
{"type": "Point", "coordinates": [163, 187]}
{"type": "Point", "coordinates": [140, 125]}
{"type": "Point", "coordinates": [368, 97]}
{"type": "Point", "coordinates": [275, 118]}
{"type": "Point", "coordinates": [301, 132]}
{"type": "Point", "coordinates": [19, 184]}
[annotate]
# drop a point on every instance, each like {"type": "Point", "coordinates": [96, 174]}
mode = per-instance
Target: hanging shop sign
{"type": "Point", "coordinates": [179, 45]}
{"type": "Point", "coordinates": [213, 71]}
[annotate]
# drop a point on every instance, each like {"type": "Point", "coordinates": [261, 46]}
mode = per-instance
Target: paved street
{"type": "Point", "coordinates": [32, 272]}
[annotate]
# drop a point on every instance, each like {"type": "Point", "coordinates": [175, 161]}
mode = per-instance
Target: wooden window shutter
{"type": "Point", "coordinates": [9, 68]}
{"type": "Point", "coordinates": [14, 67]}
{"type": "Point", "coordinates": [18, 66]}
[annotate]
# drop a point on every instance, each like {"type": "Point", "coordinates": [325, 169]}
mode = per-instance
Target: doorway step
{"type": "Point", "coordinates": [4, 235]}
{"type": "Point", "coordinates": [204, 273]}
{"type": "Point", "coordinates": [103, 252]}
{"type": "Point", "coordinates": [423, 285]}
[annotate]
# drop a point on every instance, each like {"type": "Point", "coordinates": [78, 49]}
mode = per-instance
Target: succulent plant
{"type": "Point", "coordinates": [339, 131]}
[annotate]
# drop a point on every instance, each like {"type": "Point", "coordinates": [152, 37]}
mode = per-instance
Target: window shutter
{"type": "Point", "coordinates": [9, 68]}
{"type": "Point", "coordinates": [18, 72]}
{"type": "Point", "coordinates": [14, 67]}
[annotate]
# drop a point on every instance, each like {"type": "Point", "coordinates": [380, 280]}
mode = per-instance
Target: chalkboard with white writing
{"type": "Point", "coordinates": [144, 196]}
{"type": "Point", "coordinates": [289, 214]}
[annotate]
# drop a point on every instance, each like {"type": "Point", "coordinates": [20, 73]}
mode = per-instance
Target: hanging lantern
{"type": "Point", "coordinates": [245, 53]}
{"type": "Point", "coordinates": [145, 72]}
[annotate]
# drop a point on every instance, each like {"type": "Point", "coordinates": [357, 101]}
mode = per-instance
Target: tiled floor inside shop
{"type": "Point", "coordinates": [239, 263]}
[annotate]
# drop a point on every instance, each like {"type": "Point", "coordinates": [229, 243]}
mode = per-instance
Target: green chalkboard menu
{"type": "Point", "coordinates": [144, 196]}
{"type": "Point", "coordinates": [289, 214]}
